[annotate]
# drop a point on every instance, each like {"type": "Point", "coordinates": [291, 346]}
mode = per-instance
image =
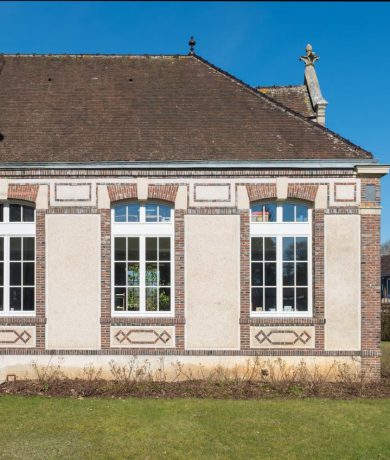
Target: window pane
{"type": "Point", "coordinates": [120, 249]}
{"type": "Point", "coordinates": [1, 273]}
{"type": "Point", "coordinates": [15, 248]}
{"type": "Point", "coordinates": [288, 274]}
{"type": "Point", "coordinates": [28, 298]}
{"type": "Point", "coordinates": [133, 212]}
{"type": "Point", "coordinates": [165, 299]}
{"type": "Point", "coordinates": [302, 274]}
{"type": "Point", "coordinates": [270, 248]}
{"type": "Point", "coordinates": [15, 213]}
{"type": "Point", "coordinates": [15, 274]}
{"type": "Point", "coordinates": [270, 213]}
{"type": "Point", "coordinates": [133, 274]}
{"type": "Point", "coordinates": [133, 249]}
{"type": "Point", "coordinates": [15, 298]}
{"type": "Point", "coordinates": [120, 213]}
{"type": "Point", "coordinates": [270, 299]}
{"type": "Point", "coordinates": [1, 213]}
{"type": "Point", "coordinates": [1, 248]}
{"type": "Point", "coordinates": [270, 274]}
{"type": "Point", "coordinates": [1, 299]}
{"type": "Point", "coordinates": [257, 299]}
{"type": "Point", "coordinates": [28, 214]}
{"type": "Point", "coordinates": [302, 299]}
{"type": "Point", "coordinates": [164, 248]}
{"type": "Point", "coordinates": [120, 299]}
{"type": "Point", "coordinates": [151, 248]}
{"type": "Point", "coordinates": [288, 212]}
{"type": "Point", "coordinates": [28, 248]}
{"type": "Point", "coordinates": [288, 248]}
{"type": "Point", "coordinates": [165, 274]}
{"type": "Point", "coordinates": [288, 299]}
{"type": "Point", "coordinates": [257, 249]}
{"type": "Point", "coordinates": [133, 299]}
{"type": "Point", "coordinates": [257, 274]}
{"type": "Point", "coordinates": [164, 213]}
{"type": "Point", "coordinates": [151, 274]}
{"type": "Point", "coordinates": [28, 273]}
{"type": "Point", "coordinates": [151, 213]}
{"type": "Point", "coordinates": [151, 299]}
{"type": "Point", "coordinates": [257, 213]}
{"type": "Point", "coordinates": [120, 274]}
{"type": "Point", "coordinates": [301, 213]}
{"type": "Point", "coordinates": [301, 248]}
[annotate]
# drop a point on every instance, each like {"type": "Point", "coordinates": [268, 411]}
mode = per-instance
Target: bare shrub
{"type": "Point", "coordinates": [49, 374]}
{"type": "Point", "coordinates": [129, 374]}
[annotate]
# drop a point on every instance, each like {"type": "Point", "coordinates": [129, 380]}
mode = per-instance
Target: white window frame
{"type": "Point", "coordinates": [16, 230]}
{"type": "Point", "coordinates": [142, 230]}
{"type": "Point", "coordinates": [279, 230]}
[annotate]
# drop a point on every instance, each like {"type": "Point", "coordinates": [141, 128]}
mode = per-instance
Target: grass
{"type": "Point", "coordinates": [386, 358]}
{"type": "Point", "coordinates": [59, 428]}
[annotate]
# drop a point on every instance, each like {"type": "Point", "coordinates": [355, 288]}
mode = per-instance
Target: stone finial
{"type": "Point", "coordinates": [192, 44]}
{"type": "Point", "coordinates": [310, 57]}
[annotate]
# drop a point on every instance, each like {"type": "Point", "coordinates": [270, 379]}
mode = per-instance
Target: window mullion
{"type": "Point", "coordinates": [6, 274]}
{"type": "Point", "coordinates": [142, 257]}
{"type": "Point", "coordinates": [279, 273]}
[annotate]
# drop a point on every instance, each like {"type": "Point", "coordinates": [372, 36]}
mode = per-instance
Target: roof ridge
{"type": "Point", "coordinates": [281, 86]}
{"type": "Point", "coordinates": [89, 55]}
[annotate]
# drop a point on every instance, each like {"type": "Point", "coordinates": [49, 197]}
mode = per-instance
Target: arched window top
{"type": "Point", "coordinates": [15, 212]}
{"type": "Point", "coordinates": [279, 212]}
{"type": "Point", "coordinates": [149, 212]}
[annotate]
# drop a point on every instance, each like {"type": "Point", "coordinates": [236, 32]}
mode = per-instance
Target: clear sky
{"type": "Point", "coordinates": [257, 42]}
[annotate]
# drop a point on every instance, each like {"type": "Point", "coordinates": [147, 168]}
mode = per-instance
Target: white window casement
{"type": "Point", "coordinates": [17, 259]}
{"type": "Point", "coordinates": [142, 259]}
{"type": "Point", "coordinates": [281, 261]}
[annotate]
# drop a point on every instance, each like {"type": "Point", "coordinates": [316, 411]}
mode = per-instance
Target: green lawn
{"type": "Point", "coordinates": [55, 428]}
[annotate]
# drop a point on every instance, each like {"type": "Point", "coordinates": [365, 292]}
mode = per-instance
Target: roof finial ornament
{"type": "Point", "coordinates": [192, 44]}
{"type": "Point", "coordinates": [310, 57]}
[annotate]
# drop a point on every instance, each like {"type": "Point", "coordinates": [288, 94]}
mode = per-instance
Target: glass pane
{"type": "Point", "coordinates": [151, 213]}
{"type": "Point", "coordinates": [15, 248]}
{"type": "Point", "coordinates": [151, 248]}
{"type": "Point", "coordinates": [301, 248]}
{"type": "Point", "coordinates": [257, 274]}
{"type": "Point", "coordinates": [120, 213]}
{"type": "Point", "coordinates": [151, 299]}
{"type": "Point", "coordinates": [164, 248]}
{"type": "Point", "coordinates": [288, 274]}
{"type": "Point", "coordinates": [164, 213]}
{"type": "Point", "coordinates": [165, 274]}
{"type": "Point", "coordinates": [257, 249]}
{"type": "Point", "coordinates": [302, 274]}
{"type": "Point", "coordinates": [288, 248]}
{"type": "Point", "coordinates": [133, 275]}
{"type": "Point", "coordinates": [120, 299]}
{"type": "Point", "coordinates": [270, 274]}
{"type": "Point", "coordinates": [1, 213]}
{"type": "Point", "coordinates": [270, 248]}
{"type": "Point", "coordinates": [1, 299]}
{"type": "Point", "coordinates": [120, 274]}
{"type": "Point", "coordinates": [28, 298]}
{"type": "Point", "coordinates": [15, 298]}
{"type": "Point", "coordinates": [15, 274]}
{"type": "Point", "coordinates": [257, 213]}
{"type": "Point", "coordinates": [133, 212]}
{"type": "Point", "coordinates": [28, 248]}
{"type": "Point", "coordinates": [28, 214]}
{"type": "Point", "coordinates": [1, 274]}
{"type": "Point", "coordinates": [269, 213]}
{"type": "Point", "coordinates": [270, 299]}
{"type": "Point", "coordinates": [133, 299]}
{"type": "Point", "coordinates": [288, 299]}
{"type": "Point", "coordinates": [288, 212]}
{"type": "Point", "coordinates": [165, 299]}
{"type": "Point", "coordinates": [1, 248]}
{"type": "Point", "coordinates": [257, 299]}
{"type": "Point", "coordinates": [120, 249]}
{"type": "Point", "coordinates": [302, 299]}
{"type": "Point", "coordinates": [151, 274]}
{"type": "Point", "coordinates": [15, 213]}
{"type": "Point", "coordinates": [28, 273]}
{"type": "Point", "coordinates": [132, 249]}
{"type": "Point", "coordinates": [301, 213]}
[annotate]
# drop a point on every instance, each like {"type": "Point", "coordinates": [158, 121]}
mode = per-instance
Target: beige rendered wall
{"type": "Point", "coordinates": [73, 281]}
{"type": "Point", "coordinates": [342, 282]}
{"type": "Point", "coordinates": [212, 266]}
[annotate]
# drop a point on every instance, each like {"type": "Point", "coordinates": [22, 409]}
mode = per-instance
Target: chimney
{"type": "Point", "coordinates": [311, 82]}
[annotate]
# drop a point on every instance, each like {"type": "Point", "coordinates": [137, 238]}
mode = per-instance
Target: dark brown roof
{"type": "Point", "coordinates": [385, 265]}
{"type": "Point", "coordinates": [296, 98]}
{"type": "Point", "coordinates": [58, 108]}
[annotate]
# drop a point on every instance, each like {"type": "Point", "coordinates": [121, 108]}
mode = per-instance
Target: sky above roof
{"type": "Point", "coordinates": [259, 43]}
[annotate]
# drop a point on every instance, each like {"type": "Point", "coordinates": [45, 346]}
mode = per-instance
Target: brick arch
{"type": "Point", "coordinates": [163, 192]}
{"type": "Point", "coordinates": [23, 192]}
{"type": "Point", "coordinates": [258, 192]}
{"type": "Point", "coordinates": [305, 192]}
{"type": "Point", "coordinates": [118, 192]}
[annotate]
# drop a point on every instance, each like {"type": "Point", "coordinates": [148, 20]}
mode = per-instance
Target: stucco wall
{"type": "Point", "coordinates": [212, 264]}
{"type": "Point", "coordinates": [73, 281]}
{"type": "Point", "coordinates": [342, 282]}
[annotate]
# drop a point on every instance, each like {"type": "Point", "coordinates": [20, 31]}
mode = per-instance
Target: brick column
{"type": "Point", "coordinates": [245, 279]}
{"type": "Point", "coordinates": [179, 277]}
{"type": "Point", "coordinates": [318, 275]}
{"type": "Point", "coordinates": [40, 264]}
{"type": "Point", "coordinates": [105, 319]}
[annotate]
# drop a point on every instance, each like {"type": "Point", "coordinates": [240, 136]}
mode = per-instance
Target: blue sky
{"type": "Point", "coordinates": [258, 42]}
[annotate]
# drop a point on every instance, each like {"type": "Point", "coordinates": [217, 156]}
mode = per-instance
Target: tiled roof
{"type": "Point", "coordinates": [385, 265]}
{"type": "Point", "coordinates": [58, 108]}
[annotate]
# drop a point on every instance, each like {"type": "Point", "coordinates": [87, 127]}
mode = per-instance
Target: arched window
{"type": "Point", "coordinates": [142, 271]}
{"type": "Point", "coordinates": [280, 259]}
{"type": "Point", "coordinates": [17, 258]}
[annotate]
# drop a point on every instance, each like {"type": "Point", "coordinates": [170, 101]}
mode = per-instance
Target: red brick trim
{"type": "Point", "coordinates": [179, 278]}
{"type": "Point", "coordinates": [245, 279]}
{"type": "Point", "coordinates": [163, 192]}
{"type": "Point", "coordinates": [258, 192]}
{"type": "Point", "coordinates": [318, 274]}
{"type": "Point", "coordinates": [376, 183]}
{"type": "Point", "coordinates": [263, 321]}
{"type": "Point", "coordinates": [40, 278]}
{"type": "Point", "coordinates": [105, 281]}
{"type": "Point", "coordinates": [306, 192]}
{"type": "Point", "coordinates": [26, 192]}
{"type": "Point", "coordinates": [117, 192]}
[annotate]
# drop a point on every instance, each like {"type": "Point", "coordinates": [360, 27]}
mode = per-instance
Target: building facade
{"type": "Point", "coordinates": [157, 206]}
